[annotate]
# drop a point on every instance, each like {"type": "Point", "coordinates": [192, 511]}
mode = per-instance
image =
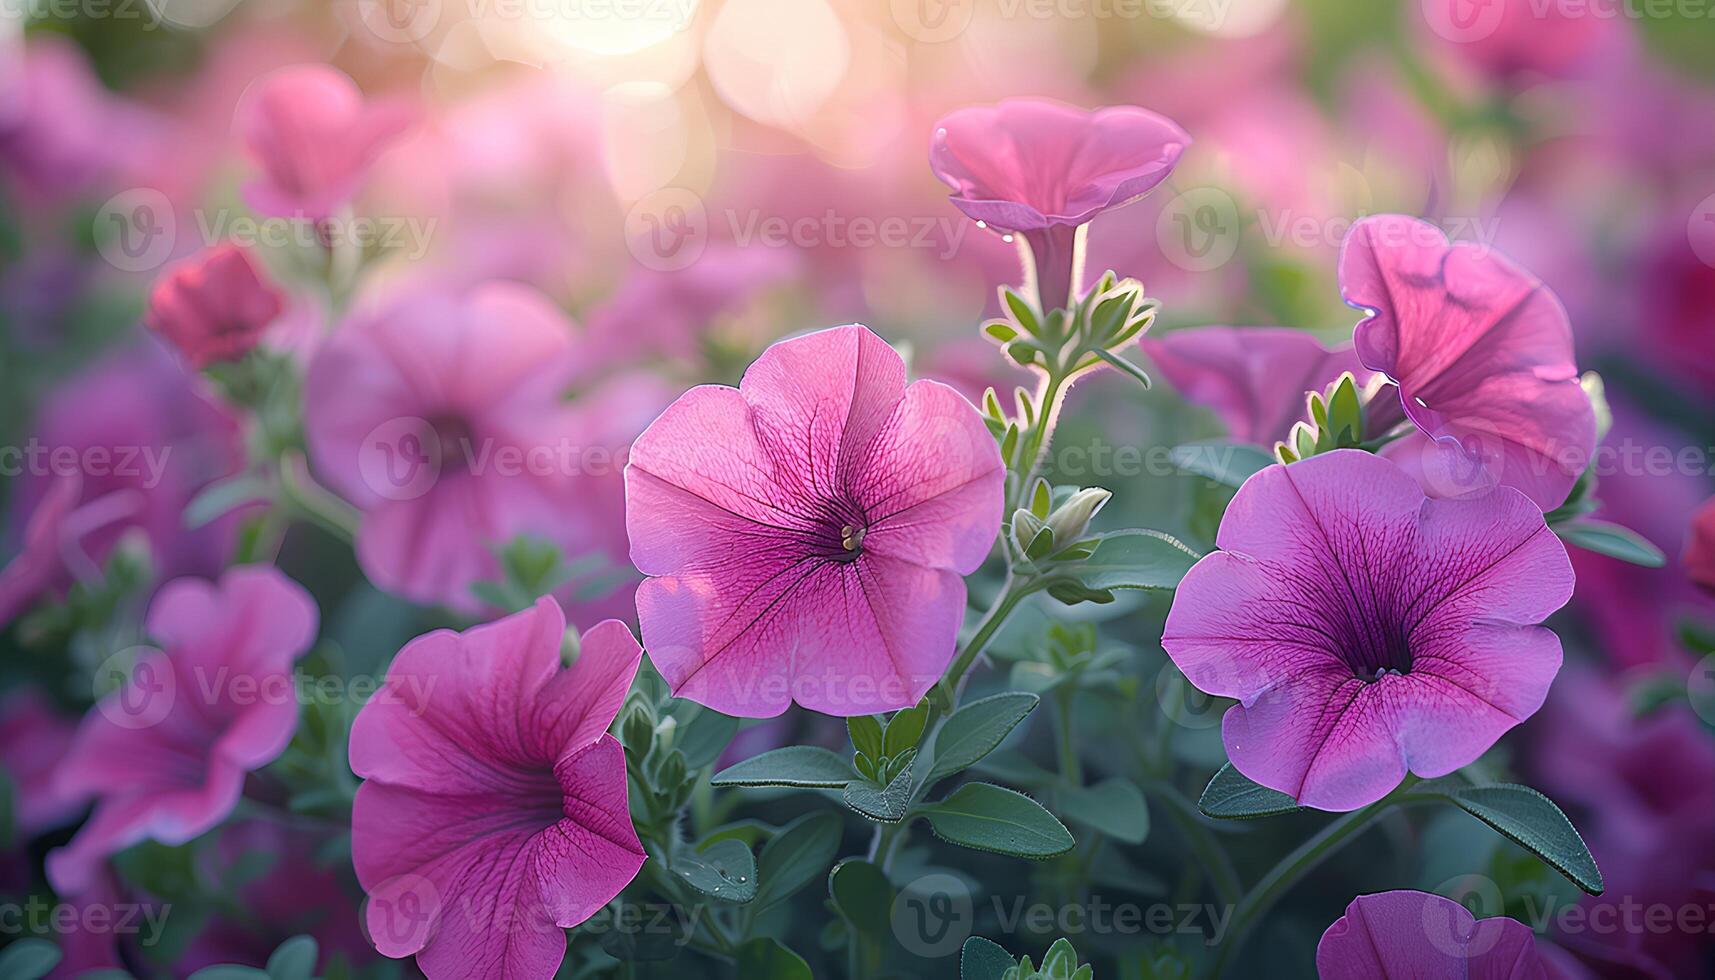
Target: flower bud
{"type": "Point", "coordinates": [1072, 518]}
{"type": "Point", "coordinates": [213, 306]}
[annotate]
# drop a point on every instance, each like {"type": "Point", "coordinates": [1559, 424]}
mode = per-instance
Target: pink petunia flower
{"type": "Point", "coordinates": [1253, 378]}
{"type": "Point", "coordinates": [34, 738]}
{"type": "Point", "coordinates": [1482, 354]}
{"type": "Point", "coordinates": [310, 130]}
{"type": "Point", "coordinates": [165, 756]}
{"type": "Point", "coordinates": [214, 306]}
{"type": "Point", "coordinates": [1700, 547]}
{"type": "Point", "coordinates": [1412, 935]}
{"type": "Point", "coordinates": [1367, 630]}
{"type": "Point", "coordinates": [1043, 170]}
{"type": "Point", "coordinates": [807, 532]}
{"type": "Point", "coordinates": [440, 416]}
{"type": "Point", "coordinates": [494, 811]}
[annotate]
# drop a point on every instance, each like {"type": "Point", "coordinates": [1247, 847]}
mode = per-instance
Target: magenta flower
{"type": "Point", "coordinates": [1482, 354]}
{"type": "Point", "coordinates": [1412, 935]}
{"type": "Point", "coordinates": [807, 532]}
{"type": "Point", "coordinates": [310, 130]}
{"type": "Point", "coordinates": [164, 756]}
{"type": "Point", "coordinates": [213, 306]}
{"type": "Point", "coordinates": [122, 447]}
{"type": "Point", "coordinates": [1253, 378]}
{"type": "Point", "coordinates": [1699, 556]}
{"type": "Point", "coordinates": [34, 738]}
{"type": "Point", "coordinates": [494, 814]}
{"type": "Point", "coordinates": [441, 418]}
{"type": "Point", "coordinates": [1365, 629]}
{"type": "Point", "coordinates": [1042, 170]}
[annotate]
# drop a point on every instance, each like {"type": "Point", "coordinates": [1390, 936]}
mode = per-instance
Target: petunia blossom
{"type": "Point", "coordinates": [1253, 378]}
{"type": "Point", "coordinates": [1482, 354]}
{"type": "Point", "coordinates": [1367, 630]}
{"type": "Point", "coordinates": [1412, 935]}
{"type": "Point", "coordinates": [807, 532]}
{"type": "Point", "coordinates": [494, 811]}
{"type": "Point", "coordinates": [1043, 170]}
{"type": "Point", "coordinates": [314, 137]}
{"type": "Point", "coordinates": [1700, 547]}
{"type": "Point", "coordinates": [440, 416]}
{"type": "Point", "coordinates": [34, 737]}
{"type": "Point", "coordinates": [213, 306]}
{"type": "Point", "coordinates": [165, 755]}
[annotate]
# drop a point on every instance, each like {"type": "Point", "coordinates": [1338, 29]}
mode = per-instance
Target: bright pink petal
{"type": "Point", "coordinates": [1253, 378]}
{"type": "Point", "coordinates": [1411, 935]}
{"type": "Point", "coordinates": [1481, 350]}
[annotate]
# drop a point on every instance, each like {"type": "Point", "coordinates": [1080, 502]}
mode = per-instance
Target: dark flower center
{"type": "Point", "coordinates": [1375, 652]}
{"type": "Point", "coordinates": [456, 439]}
{"type": "Point", "coordinates": [839, 531]}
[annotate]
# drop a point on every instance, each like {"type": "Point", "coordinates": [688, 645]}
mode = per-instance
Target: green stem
{"type": "Point", "coordinates": [1070, 769]}
{"type": "Point", "coordinates": [308, 499]}
{"type": "Point", "coordinates": [1197, 835]}
{"type": "Point", "coordinates": [944, 696]}
{"type": "Point", "coordinates": [1295, 866]}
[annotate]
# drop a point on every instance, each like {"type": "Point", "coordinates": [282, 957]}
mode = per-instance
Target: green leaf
{"type": "Point", "coordinates": [804, 766]}
{"type": "Point", "coordinates": [993, 818]}
{"type": "Point", "coordinates": [1020, 309]}
{"type": "Point", "coordinates": [887, 805]}
{"type": "Point", "coordinates": [865, 733]}
{"type": "Point", "coordinates": [1115, 807]}
{"type": "Point", "coordinates": [1612, 540]}
{"type": "Point", "coordinates": [1231, 796]}
{"type": "Point", "coordinates": [1227, 463]}
{"type": "Point", "coordinates": [904, 729]}
{"type": "Point", "coordinates": [294, 959]}
{"type": "Point", "coordinates": [220, 498]}
{"type": "Point", "coordinates": [1530, 820]}
{"type": "Point", "coordinates": [28, 959]}
{"type": "Point", "coordinates": [705, 737]}
{"type": "Point", "coordinates": [1126, 367]}
{"type": "Point", "coordinates": [975, 730]}
{"type": "Point", "coordinates": [226, 971]}
{"type": "Point", "coordinates": [1135, 559]}
{"type": "Point", "coordinates": [796, 855]}
{"type": "Point", "coordinates": [765, 959]}
{"type": "Point", "coordinates": [725, 869]}
{"type": "Point", "coordinates": [981, 959]}
{"type": "Point", "coordinates": [864, 898]}
{"type": "Point", "coordinates": [8, 795]}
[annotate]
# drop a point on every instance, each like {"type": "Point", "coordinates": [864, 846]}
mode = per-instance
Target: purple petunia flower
{"type": "Point", "coordinates": [494, 812]}
{"type": "Point", "coordinates": [808, 530]}
{"type": "Point", "coordinates": [1482, 354]}
{"type": "Point", "coordinates": [1412, 935]}
{"type": "Point", "coordinates": [165, 755]}
{"type": "Point", "coordinates": [1254, 378]}
{"type": "Point", "coordinates": [1043, 170]}
{"type": "Point", "coordinates": [1367, 630]}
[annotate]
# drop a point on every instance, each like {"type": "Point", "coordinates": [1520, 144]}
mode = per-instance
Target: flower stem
{"type": "Point", "coordinates": [309, 499]}
{"type": "Point", "coordinates": [1295, 866]}
{"type": "Point", "coordinates": [945, 696]}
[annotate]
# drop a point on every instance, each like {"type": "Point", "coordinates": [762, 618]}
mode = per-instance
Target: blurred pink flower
{"type": "Point", "coordinates": [441, 417]}
{"type": "Point", "coordinates": [1700, 547]}
{"type": "Point", "coordinates": [214, 306]}
{"type": "Point", "coordinates": [807, 532]}
{"type": "Point", "coordinates": [310, 130]}
{"type": "Point", "coordinates": [34, 738]}
{"type": "Point", "coordinates": [1042, 170]}
{"type": "Point", "coordinates": [1366, 630]}
{"type": "Point", "coordinates": [1412, 935]}
{"type": "Point", "coordinates": [1507, 38]}
{"type": "Point", "coordinates": [55, 121]}
{"type": "Point", "coordinates": [1253, 378]}
{"type": "Point", "coordinates": [122, 447]}
{"type": "Point", "coordinates": [1482, 354]}
{"type": "Point", "coordinates": [165, 755]}
{"type": "Point", "coordinates": [494, 813]}
{"type": "Point", "coordinates": [668, 314]}
{"type": "Point", "coordinates": [1675, 279]}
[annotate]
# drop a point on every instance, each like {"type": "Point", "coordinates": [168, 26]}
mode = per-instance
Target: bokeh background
{"type": "Point", "coordinates": [692, 179]}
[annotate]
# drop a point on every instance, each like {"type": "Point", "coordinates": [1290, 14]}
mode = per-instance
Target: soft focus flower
{"type": "Point", "coordinates": [440, 416]}
{"type": "Point", "coordinates": [1700, 547]}
{"type": "Point", "coordinates": [55, 120]}
{"type": "Point", "coordinates": [1412, 935]}
{"type": "Point", "coordinates": [808, 531]}
{"type": "Point", "coordinates": [125, 445]}
{"type": "Point", "coordinates": [310, 130]}
{"type": "Point", "coordinates": [1506, 38]}
{"type": "Point", "coordinates": [1043, 170]}
{"type": "Point", "coordinates": [165, 755]}
{"type": "Point", "coordinates": [1482, 354]}
{"type": "Point", "coordinates": [1253, 378]}
{"type": "Point", "coordinates": [659, 314]}
{"type": "Point", "coordinates": [213, 307]}
{"type": "Point", "coordinates": [34, 737]}
{"type": "Point", "coordinates": [494, 813]}
{"type": "Point", "coordinates": [1365, 629]}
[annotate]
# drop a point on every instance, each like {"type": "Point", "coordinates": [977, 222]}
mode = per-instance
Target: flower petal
{"type": "Point", "coordinates": [1253, 378]}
